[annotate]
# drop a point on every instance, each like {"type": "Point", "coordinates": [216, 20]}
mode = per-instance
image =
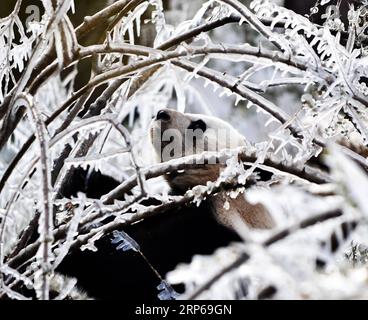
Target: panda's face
{"type": "Point", "coordinates": [175, 134]}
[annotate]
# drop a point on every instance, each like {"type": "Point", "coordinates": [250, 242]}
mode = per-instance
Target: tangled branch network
{"type": "Point", "coordinates": [304, 83]}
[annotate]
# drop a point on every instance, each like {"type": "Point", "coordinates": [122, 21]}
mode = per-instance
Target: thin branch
{"type": "Point", "coordinates": [26, 235]}
{"type": "Point", "coordinates": [253, 21]}
{"type": "Point", "coordinates": [92, 22]}
{"type": "Point", "coordinates": [46, 235]}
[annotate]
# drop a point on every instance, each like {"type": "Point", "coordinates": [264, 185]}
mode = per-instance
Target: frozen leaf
{"type": "Point", "coordinates": [166, 291]}
{"type": "Point", "coordinates": [124, 242]}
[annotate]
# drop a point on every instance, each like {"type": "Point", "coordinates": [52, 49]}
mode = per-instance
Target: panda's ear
{"type": "Point", "coordinates": [198, 124]}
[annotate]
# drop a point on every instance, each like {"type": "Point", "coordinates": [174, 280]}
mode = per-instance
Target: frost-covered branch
{"type": "Point", "coordinates": [197, 161]}
{"type": "Point", "coordinates": [273, 239]}
{"type": "Point", "coordinates": [47, 219]}
{"type": "Point", "coordinates": [253, 20]}
{"type": "Point", "coordinates": [12, 117]}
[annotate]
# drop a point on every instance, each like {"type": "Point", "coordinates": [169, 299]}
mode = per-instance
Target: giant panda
{"type": "Point", "coordinates": [170, 238]}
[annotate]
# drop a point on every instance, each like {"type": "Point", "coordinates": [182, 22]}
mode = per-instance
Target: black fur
{"type": "Point", "coordinates": [199, 124]}
{"type": "Point", "coordinates": [166, 240]}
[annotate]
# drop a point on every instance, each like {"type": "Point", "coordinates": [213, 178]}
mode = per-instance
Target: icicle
{"type": "Point", "coordinates": [190, 76]}
{"type": "Point", "coordinates": [238, 99]}
{"type": "Point", "coordinates": [249, 104]}
{"type": "Point", "coordinates": [269, 121]}
{"type": "Point", "coordinates": [242, 20]}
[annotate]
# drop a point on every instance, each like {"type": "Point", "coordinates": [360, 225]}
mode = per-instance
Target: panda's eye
{"type": "Point", "coordinates": [199, 124]}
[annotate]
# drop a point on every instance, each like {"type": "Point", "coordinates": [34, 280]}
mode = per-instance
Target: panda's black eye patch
{"type": "Point", "coordinates": [199, 124]}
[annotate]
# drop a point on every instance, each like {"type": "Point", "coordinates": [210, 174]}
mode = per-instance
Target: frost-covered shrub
{"type": "Point", "coordinates": [305, 86]}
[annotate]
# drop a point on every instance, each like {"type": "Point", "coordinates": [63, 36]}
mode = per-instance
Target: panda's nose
{"type": "Point", "coordinates": [163, 115]}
